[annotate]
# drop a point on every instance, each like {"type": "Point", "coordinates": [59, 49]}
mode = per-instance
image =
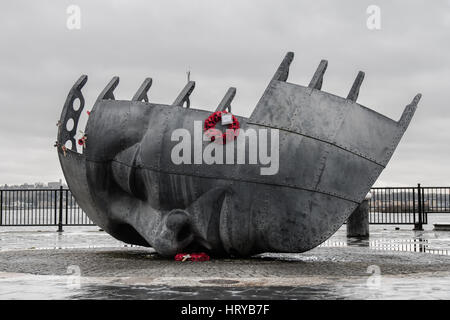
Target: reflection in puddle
{"type": "Point", "coordinates": [45, 238]}
{"type": "Point", "coordinates": [406, 245]}
{"type": "Point", "coordinates": [389, 287]}
{"type": "Point", "coordinates": [205, 293]}
{"type": "Point", "coordinates": [424, 287]}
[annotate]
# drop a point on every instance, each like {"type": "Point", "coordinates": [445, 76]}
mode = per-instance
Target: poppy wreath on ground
{"type": "Point", "coordinates": [192, 257]}
{"type": "Point", "coordinates": [217, 135]}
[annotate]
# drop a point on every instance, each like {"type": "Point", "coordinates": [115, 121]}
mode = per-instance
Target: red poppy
{"type": "Point", "coordinates": [192, 257]}
{"type": "Point", "coordinates": [216, 135]}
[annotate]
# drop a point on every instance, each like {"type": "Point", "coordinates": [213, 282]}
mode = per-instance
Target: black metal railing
{"type": "Point", "coordinates": [407, 205]}
{"type": "Point", "coordinates": [57, 207]}
{"type": "Point", "coordinates": [41, 207]}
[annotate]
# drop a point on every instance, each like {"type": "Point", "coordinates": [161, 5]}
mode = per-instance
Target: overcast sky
{"type": "Point", "coordinates": [224, 43]}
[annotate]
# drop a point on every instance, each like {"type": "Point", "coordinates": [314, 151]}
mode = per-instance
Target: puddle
{"type": "Point", "coordinates": [405, 245]}
{"type": "Point", "coordinates": [35, 238]}
{"type": "Point", "coordinates": [386, 287]}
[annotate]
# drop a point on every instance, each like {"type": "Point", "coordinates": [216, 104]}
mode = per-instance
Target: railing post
{"type": "Point", "coordinates": [1, 207]}
{"type": "Point", "coordinates": [418, 226]}
{"type": "Point", "coordinates": [60, 218]}
{"type": "Point", "coordinates": [67, 206]}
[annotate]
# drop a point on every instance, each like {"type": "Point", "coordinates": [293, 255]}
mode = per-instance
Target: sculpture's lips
{"type": "Point", "coordinates": [331, 152]}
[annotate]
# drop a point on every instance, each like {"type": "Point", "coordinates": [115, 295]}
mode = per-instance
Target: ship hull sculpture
{"type": "Point", "coordinates": [331, 151]}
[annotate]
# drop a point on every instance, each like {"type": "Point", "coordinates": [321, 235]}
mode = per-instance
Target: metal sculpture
{"type": "Point", "coordinates": [331, 152]}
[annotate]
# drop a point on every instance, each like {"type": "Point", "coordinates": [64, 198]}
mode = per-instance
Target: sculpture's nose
{"type": "Point", "coordinates": [175, 233]}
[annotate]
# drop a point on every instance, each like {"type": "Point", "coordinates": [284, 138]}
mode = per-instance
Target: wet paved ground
{"type": "Point", "coordinates": [84, 263]}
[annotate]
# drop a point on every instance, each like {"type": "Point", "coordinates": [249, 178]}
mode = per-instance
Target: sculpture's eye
{"type": "Point", "coordinates": [126, 174]}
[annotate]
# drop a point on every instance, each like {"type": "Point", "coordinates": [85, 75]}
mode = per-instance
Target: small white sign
{"type": "Point", "coordinates": [227, 119]}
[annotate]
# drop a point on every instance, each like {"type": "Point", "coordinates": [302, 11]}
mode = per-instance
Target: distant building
{"type": "Point", "coordinates": [27, 186]}
{"type": "Point", "coordinates": [55, 185]}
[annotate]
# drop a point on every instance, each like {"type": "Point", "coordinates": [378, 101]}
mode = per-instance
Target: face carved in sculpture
{"type": "Point", "coordinates": [139, 197]}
